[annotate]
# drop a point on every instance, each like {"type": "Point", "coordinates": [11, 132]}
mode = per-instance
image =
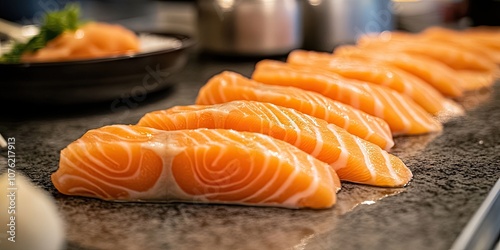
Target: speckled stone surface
{"type": "Point", "coordinates": [453, 173]}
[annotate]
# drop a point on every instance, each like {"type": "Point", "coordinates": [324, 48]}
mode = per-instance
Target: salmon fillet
{"type": "Point", "coordinates": [229, 86]}
{"type": "Point", "coordinates": [354, 159]}
{"type": "Point", "coordinates": [459, 39]}
{"type": "Point", "coordinates": [484, 36]}
{"type": "Point", "coordinates": [135, 163]}
{"type": "Point", "coordinates": [474, 64]}
{"type": "Point", "coordinates": [92, 40]}
{"type": "Point", "coordinates": [381, 74]}
{"type": "Point", "coordinates": [455, 57]}
{"type": "Point", "coordinates": [437, 74]}
{"type": "Point", "coordinates": [400, 112]}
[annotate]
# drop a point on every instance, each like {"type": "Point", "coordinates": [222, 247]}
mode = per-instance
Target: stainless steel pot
{"type": "Point", "coordinates": [250, 27]}
{"type": "Point", "coordinates": [328, 23]}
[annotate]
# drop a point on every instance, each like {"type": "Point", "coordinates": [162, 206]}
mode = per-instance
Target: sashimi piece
{"type": "Point", "coordinates": [475, 80]}
{"type": "Point", "coordinates": [454, 57]}
{"type": "Point", "coordinates": [370, 71]}
{"type": "Point", "coordinates": [485, 36]}
{"type": "Point", "coordinates": [433, 35]}
{"type": "Point", "coordinates": [473, 77]}
{"type": "Point", "coordinates": [91, 40]}
{"type": "Point", "coordinates": [354, 159]}
{"type": "Point", "coordinates": [437, 74]}
{"type": "Point", "coordinates": [135, 163]}
{"type": "Point", "coordinates": [230, 86]}
{"type": "Point", "coordinates": [457, 38]}
{"type": "Point", "coordinates": [400, 112]}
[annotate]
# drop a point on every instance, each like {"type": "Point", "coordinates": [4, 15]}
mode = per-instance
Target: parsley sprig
{"type": "Point", "coordinates": [53, 24]}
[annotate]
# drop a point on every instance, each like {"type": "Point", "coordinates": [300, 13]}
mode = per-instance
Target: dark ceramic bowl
{"type": "Point", "coordinates": [95, 80]}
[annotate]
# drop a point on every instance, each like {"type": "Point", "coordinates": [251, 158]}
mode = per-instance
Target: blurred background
{"type": "Point", "coordinates": [266, 27]}
{"type": "Point", "coordinates": [137, 14]}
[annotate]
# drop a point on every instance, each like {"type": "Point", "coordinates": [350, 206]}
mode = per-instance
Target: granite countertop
{"type": "Point", "coordinates": [453, 173]}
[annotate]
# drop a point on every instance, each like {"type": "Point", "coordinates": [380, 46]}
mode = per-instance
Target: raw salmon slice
{"type": "Point", "coordinates": [437, 74]}
{"type": "Point", "coordinates": [400, 112]}
{"type": "Point", "coordinates": [230, 86]}
{"type": "Point", "coordinates": [92, 40]}
{"type": "Point", "coordinates": [354, 159]}
{"type": "Point", "coordinates": [475, 80]}
{"type": "Point", "coordinates": [455, 57]}
{"type": "Point", "coordinates": [484, 36]}
{"type": "Point", "coordinates": [473, 77]}
{"type": "Point", "coordinates": [370, 71]}
{"type": "Point", "coordinates": [457, 38]}
{"type": "Point", "coordinates": [135, 163]}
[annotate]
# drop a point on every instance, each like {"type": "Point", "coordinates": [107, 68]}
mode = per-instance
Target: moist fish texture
{"type": "Point", "coordinates": [382, 74]}
{"type": "Point", "coordinates": [92, 40]}
{"type": "Point", "coordinates": [437, 74]}
{"type": "Point", "coordinates": [459, 39]}
{"type": "Point", "coordinates": [402, 114]}
{"type": "Point", "coordinates": [474, 64]}
{"type": "Point", "coordinates": [354, 159]}
{"type": "Point", "coordinates": [136, 163]}
{"type": "Point", "coordinates": [230, 86]}
{"type": "Point", "coordinates": [455, 57]}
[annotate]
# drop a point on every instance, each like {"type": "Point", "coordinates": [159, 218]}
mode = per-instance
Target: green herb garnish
{"type": "Point", "coordinates": [53, 24]}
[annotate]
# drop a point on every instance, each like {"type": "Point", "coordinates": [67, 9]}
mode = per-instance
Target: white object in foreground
{"type": "Point", "coordinates": [28, 215]}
